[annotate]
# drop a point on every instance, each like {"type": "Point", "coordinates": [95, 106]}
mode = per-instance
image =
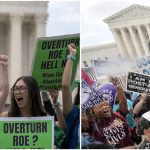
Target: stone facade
{"type": "Point", "coordinates": [131, 30]}
{"type": "Point", "coordinates": [21, 22]}
{"type": "Point", "coordinates": [103, 52]}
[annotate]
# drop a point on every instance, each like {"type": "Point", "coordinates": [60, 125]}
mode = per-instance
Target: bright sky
{"type": "Point", "coordinates": [93, 30]}
{"type": "Point", "coordinates": [64, 18]}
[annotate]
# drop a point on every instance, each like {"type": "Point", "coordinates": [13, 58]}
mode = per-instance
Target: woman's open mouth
{"type": "Point", "coordinates": [19, 100]}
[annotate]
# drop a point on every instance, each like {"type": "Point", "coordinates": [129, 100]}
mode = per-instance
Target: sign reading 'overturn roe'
{"type": "Point", "coordinates": [28, 133]}
{"type": "Point", "coordinates": [50, 59]}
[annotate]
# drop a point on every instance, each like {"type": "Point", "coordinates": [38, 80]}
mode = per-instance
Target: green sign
{"type": "Point", "coordinates": [50, 59]}
{"type": "Point", "coordinates": [27, 132]}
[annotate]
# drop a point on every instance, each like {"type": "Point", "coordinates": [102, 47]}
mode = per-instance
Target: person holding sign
{"type": "Point", "coordinates": [25, 99]}
{"type": "Point", "coordinates": [47, 103]}
{"type": "Point", "coordinates": [71, 112]}
{"type": "Point", "coordinates": [109, 127]}
{"type": "Point", "coordinates": [141, 105]}
{"type": "Point", "coordinates": [54, 96]}
{"type": "Point", "coordinates": [4, 87]}
{"type": "Point", "coordinates": [61, 125]}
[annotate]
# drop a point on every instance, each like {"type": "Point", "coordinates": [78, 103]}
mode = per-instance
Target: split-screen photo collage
{"type": "Point", "coordinates": [75, 74]}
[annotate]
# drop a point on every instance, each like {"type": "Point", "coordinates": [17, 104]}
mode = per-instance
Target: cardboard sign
{"type": "Point", "coordinates": [27, 132]}
{"type": "Point", "coordinates": [138, 82]}
{"type": "Point", "coordinates": [50, 59]}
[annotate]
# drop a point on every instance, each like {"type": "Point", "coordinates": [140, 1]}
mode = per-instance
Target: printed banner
{"type": "Point", "coordinates": [142, 65]}
{"type": "Point", "coordinates": [50, 59]}
{"type": "Point", "coordinates": [86, 90]}
{"type": "Point", "coordinates": [111, 67]}
{"type": "Point", "coordinates": [27, 132]}
{"type": "Point", "coordinates": [138, 82]}
{"type": "Point", "coordinates": [92, 96]}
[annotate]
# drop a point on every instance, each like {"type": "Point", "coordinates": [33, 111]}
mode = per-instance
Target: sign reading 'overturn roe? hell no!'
{"type": "Point", "coordinates": [50, 59]}
{"type": "Point", "coordinates": [27, 132]}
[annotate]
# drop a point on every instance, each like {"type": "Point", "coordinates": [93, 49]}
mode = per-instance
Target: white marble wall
{"type": "Point", "coordinates": [20, 24]}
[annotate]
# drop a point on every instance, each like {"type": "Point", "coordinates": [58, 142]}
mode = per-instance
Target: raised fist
{"type": "Point", "coordinates": [72, 49]}
{"type": "Point", "coordinates": [4, 60]}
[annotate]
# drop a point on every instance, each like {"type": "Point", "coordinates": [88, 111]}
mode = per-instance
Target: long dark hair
{"type": "Point", "coordinates": [34, 93]}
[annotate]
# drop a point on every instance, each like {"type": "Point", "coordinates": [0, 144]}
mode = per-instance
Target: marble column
{"type": "Point", "coordinates": [135, 41]}
{"type": "Point", "coordinates": [143, 40]}
{"type": "Point", "coordinates": [127, 42]}
{"type": "Point", "coordinates": [15, 47]}
{"type": "Point", "coordinates": [31, 45]}
{"type": "Point", "coordinates": [119, 42]}
{"type": "Point", "coordinates": [148, 30]}
{"type": "Point", "coordinates": [40, 22]}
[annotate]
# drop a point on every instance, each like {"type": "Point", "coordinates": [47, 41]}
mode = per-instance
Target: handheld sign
{"type": "Point", "coordinates": [107, 92]}
{"type": "Point", "coordinates": [50, 59]}
{"type": "Point", "coordinates": [142, 65]}
{"type": "Point", "coordinates": [138, 82]}
{"type": "Point", "coordinates": [27, 132]}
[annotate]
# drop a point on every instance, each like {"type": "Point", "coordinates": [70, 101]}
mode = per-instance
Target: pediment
{"type": "Point", "coordinates": [133, 12]}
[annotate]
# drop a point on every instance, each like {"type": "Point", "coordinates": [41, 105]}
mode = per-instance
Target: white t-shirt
{"type": "Point", "coordinates": [146, 115]}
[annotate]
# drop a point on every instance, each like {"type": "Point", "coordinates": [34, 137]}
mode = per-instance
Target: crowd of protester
{"type": "Point", "coordinates": [121, 126]}
{"type": "Point", "coordinates": [28, 101]}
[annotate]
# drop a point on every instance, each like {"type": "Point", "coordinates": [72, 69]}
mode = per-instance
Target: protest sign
{"type": "Point", "coordinates": [27, 132]}
{"type": "Point", "coordinates": [86, 90]}
{"type": "Point", "coordinates": [111, 67]}
{"type": "Point", "coordinates": [142, 65]}
{"type": "Point", "coordinates": [92, 96]}
{"type": "Point", "coordinates": [138, 82]}
{"type": "Point", "coordinates": [50, 59]}
{"type": "Point", "coordinates": [108, 93]}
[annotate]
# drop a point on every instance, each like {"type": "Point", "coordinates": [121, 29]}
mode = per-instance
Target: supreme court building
{"type": "Point", "coordinates": [131, 30]}
{"type": "Point", "coordinates": [21, 22]}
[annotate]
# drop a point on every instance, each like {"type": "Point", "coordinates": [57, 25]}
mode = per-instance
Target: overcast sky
{"type": "Point", "coordinates": [85, 17]}
{"type": "Point", "coordinates": [93, 30]}
{"type": "Point", "coordinates": [64, 18]}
